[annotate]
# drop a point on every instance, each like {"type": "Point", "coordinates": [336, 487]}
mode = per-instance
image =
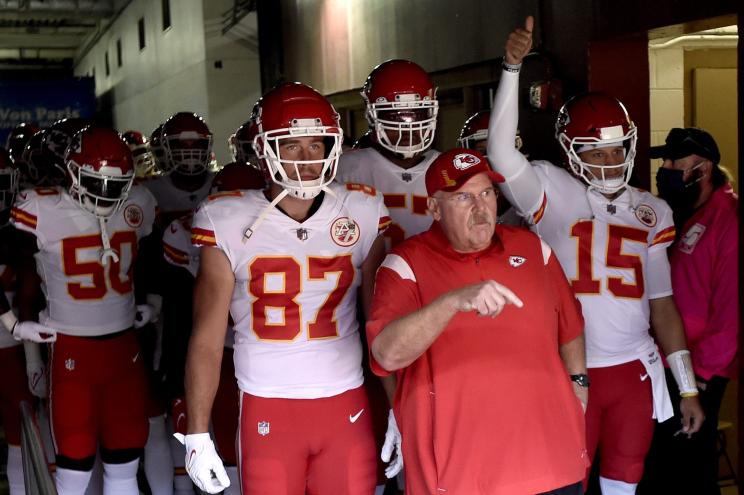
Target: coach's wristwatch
{"type": "Point", "coordinates": [581, 379]}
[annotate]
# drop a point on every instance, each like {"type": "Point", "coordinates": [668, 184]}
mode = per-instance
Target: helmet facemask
{"type": "Point", "coordinates": [188, 153]}
{"type": "Point", "coordinates": [607, 180]}
{"type": "Point", "coordinates": [100, 193]}
{"type": "Point", "coordinates": [410, 121]}
{"type": "Point", "coordinates": [267, 145]}
{"type": "Point", "coordinates": [9, 183]}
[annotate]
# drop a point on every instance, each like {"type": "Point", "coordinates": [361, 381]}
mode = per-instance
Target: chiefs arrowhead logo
{"type": "Point", "coordinates": [517, 261]}
{"type": "Point", "coordinates": [464, 161]}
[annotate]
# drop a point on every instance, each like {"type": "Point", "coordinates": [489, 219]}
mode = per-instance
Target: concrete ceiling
{"type": "Point", "coordinates": [36, 34]}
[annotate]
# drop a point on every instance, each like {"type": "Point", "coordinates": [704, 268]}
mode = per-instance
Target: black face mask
{"type": "Point", "coordinates": [680, 195]}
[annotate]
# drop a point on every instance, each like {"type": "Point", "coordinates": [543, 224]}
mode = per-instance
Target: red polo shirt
{"type": "Point", "coordinates": [489, 408]}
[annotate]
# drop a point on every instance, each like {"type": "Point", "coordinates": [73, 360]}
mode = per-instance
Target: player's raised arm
{"type": "Point", "coordinates": [522, 187]}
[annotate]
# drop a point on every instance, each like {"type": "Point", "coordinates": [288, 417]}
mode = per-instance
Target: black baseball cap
{"type": "Point", "coordinates": [685, 142]}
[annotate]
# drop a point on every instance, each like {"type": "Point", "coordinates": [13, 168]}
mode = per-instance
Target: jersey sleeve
{"type": "Point", "coordinates": [176, 246]}
{"type": "Point", "coordinates": [202, 228]}
{"type": "Point", "coordinates": [395, 296]}
{"type": "Point", "coordinates": [383, 216]}
{"type": "Point", "coordinates": [24, 214]}
{"type": "Point", "coordinates": [149, 210]}
{"type": "Point", "coordinates": [522, 188]}
{"type": "Point", "coordinates": [658, 273]}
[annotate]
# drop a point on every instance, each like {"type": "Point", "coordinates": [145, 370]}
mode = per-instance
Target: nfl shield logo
{"type": "Point", "coordinates": [263, 428]}
{"type": "Point", "coordinates": [70, 364]}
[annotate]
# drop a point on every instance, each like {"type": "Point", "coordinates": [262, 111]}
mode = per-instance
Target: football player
{"type": "Point", "coordinates": [17, 364]}
{"type": "Point", "coordinates": [144, 163]}
{"type": "Point", "coordinates": [186, 144]}
{"type": "Point", "coordinates": [286, 263]}
{"type": "Point", "coordinates": [611, 240]}
{"type": "Point", "coordinates": [183, 262]}
{"type": "Point", "coordinates": [241, 144]}
{"type": "Point", "coordinates": [84, 240]}
{"type": "Point", "coordinates": [401, 107]}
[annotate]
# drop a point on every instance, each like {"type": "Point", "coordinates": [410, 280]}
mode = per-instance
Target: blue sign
{"type": "Point", "coordinates": [44, 102]}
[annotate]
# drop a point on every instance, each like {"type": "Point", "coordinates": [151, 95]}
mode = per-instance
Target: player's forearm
{"type": "Point", "coordinates": [202, 379]}
{"type": "Point", "coordinates": [573, 355]}
{"type": "Point", "coordinates": [403, 340]}
{"type": "Point", "coordinates": [502, 126]}
{"type": "Point", "coordinates": [667, 325]}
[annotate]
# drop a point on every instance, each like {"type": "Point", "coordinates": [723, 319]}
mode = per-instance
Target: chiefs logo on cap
{"type": "Point", "coordinates": [464, 161]}
{"type": "Point", "coordinates": [345, 232]}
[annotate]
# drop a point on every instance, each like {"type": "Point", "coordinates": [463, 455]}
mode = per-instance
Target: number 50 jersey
{"type": "Point", "coordinates": [294, 302]}
{"type": "Point", "coordinates": [84, 297]}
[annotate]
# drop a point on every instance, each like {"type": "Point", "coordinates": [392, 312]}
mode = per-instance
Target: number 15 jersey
{"type": "Point", "coordinates": [613, 254]}
{"type": "Point", "coordinates": [294, 301]}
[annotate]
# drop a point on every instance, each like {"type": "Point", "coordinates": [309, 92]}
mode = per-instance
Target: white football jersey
{"type": "Point", "coordinates": [294, 303]}
{"type": "Point", "coordinates": [404, 190]}
{"type": "Point", "coordinates": [174, 202]}
{"type": "Point", "coordinates": [179, 251]}
{"type": "Point", "coordinates": [84, 297]}
{"type": "Point", "coordinates": [604, 248]}
{"type": "Point", "coordinates": [177, 247]}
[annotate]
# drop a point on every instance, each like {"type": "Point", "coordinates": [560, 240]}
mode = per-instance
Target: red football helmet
{"type": "Point", "coordinates": [144, 164]}
{"type": "Point", "coordinates": [101, 168]}
{"type": "Point", "coordinates": [59, 135]}
{"type": "Point", "coordinates": [18, 139]}
{"type": "Point", "coordinates": [236, 176]}
{"type": "Point", "coordinates": [156, 147]}
{"type": "Point", "coordinates": [9, 180]}
{"type": "Point", "coordinates": [401, 107]}
{"type": "Point", "coordinates": [287, 112]}
{"type": "Point", "coordinates": [475, 130]}
{"type": "Point", "coordinates": [591, 121]}
{"type": "Point", "coordinates": [187, 142]}
{"type": "Point", "coordinates": [241, 144]}
{"type": "Point", "coordinates": [474, 133]}
{"type": "Point", "coordinates": [38, 166]}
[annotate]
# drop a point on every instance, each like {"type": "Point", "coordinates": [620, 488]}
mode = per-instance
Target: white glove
{"type": "Point", "coordinates": [145, 314]}
{"type": "Point", "coordinates": [27, 330]}
{"type": "Point", "coordinates": [35, 370]}
{"type": "Point", "coordinates": [392, 443]}
{"type": "Point", "coordinates": [156, 302]}
{"type": "Point", "coordinates": [203, 464]}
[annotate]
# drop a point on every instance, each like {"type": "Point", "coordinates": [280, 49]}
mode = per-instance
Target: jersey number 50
{"type": "Point", "coordinates": [282, 300]}
{"type": "Point", "coordinates": [100, 277]}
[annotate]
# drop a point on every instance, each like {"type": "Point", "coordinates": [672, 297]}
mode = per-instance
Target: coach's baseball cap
{"type": "Point", "coordinates": [685, 142]}
{"type": "Point", "coordinates": [450, 170]}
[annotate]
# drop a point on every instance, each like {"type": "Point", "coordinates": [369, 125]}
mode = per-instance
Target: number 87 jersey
{"type": "Point", "coordinates": [294, 301]}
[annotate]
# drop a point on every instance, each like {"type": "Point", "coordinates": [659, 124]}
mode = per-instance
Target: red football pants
{"type": "Point", "coordinates": [618, 420]}
{"type": "Point", "coordinates": [307, 446]}
{"type": "Point", "coordinates": [98, 394]}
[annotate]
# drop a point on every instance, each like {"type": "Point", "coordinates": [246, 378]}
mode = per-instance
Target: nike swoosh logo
{"type": "Point", "coordinates": [643, 377]}
{"type": "Point", "coordinates": [352, 419]}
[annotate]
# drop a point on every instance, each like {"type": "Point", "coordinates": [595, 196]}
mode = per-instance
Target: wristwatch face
{"type": "Point", "coordinates": [581, 379]}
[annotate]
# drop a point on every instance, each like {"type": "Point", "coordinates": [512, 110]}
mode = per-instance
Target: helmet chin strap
{"type": "Point", "coordinates": [250, 230]}
{"type": "Point", "coordinates": [107, 253]}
